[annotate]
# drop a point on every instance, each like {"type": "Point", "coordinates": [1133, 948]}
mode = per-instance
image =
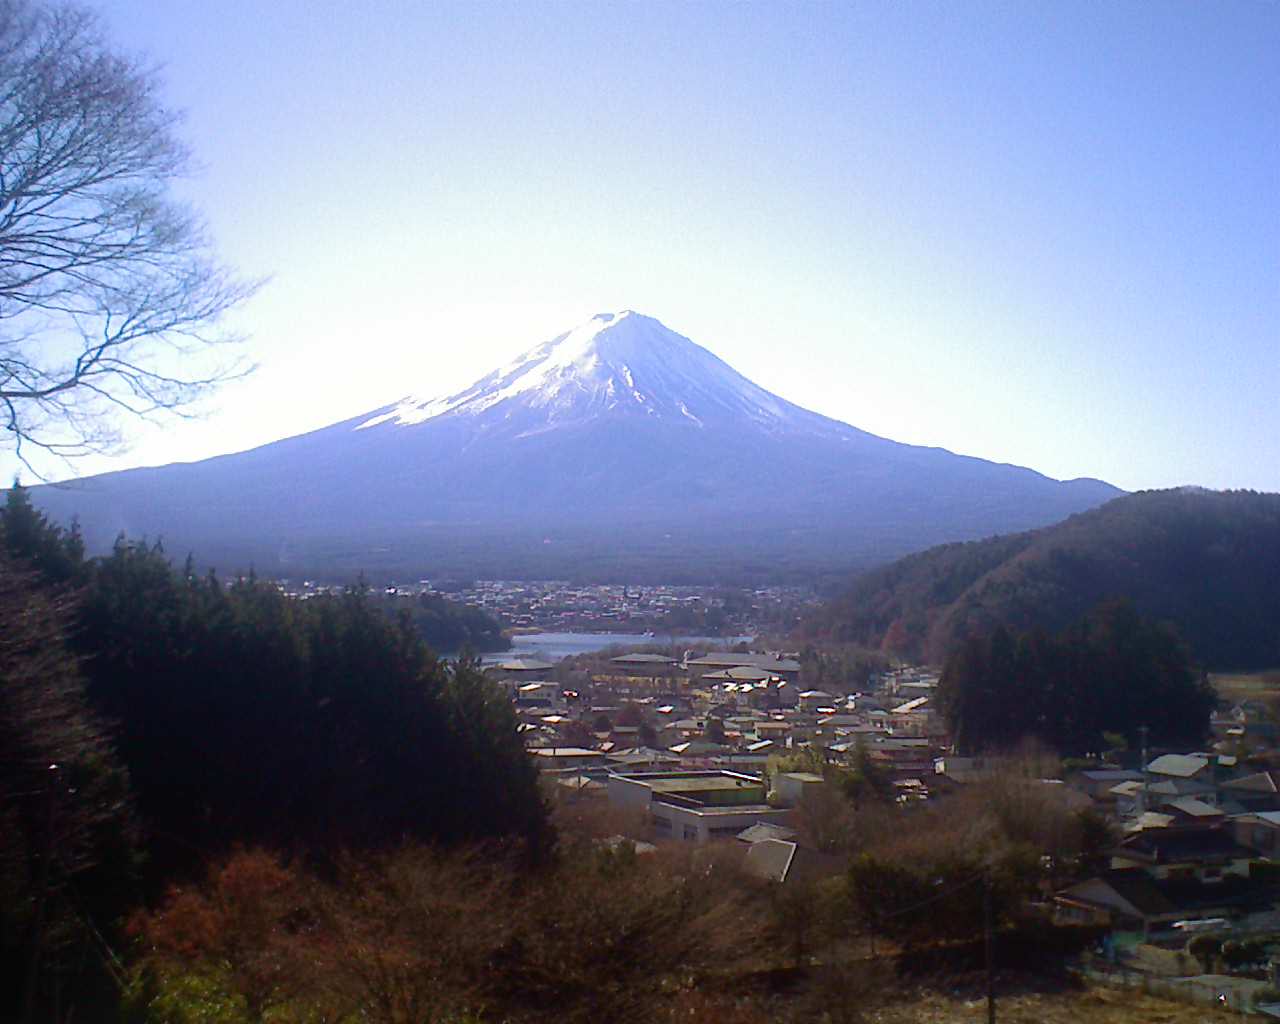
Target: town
{"type": "Point", "coordinates": [533, 605]}
{"type": "Point", "coordinates": [736, 749]}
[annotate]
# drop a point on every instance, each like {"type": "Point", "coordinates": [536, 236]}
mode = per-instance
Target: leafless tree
{"type": "Point", "coordinates": [110, 295]}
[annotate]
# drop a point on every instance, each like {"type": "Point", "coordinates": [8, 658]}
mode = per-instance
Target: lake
{"type": "Point", "coordinates": [554, 646]}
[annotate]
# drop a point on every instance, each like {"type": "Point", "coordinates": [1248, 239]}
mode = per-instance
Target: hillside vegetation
{"type": "Point", "coordinates": [1112, 672]}
{"type": "Point", "coordinates": [152, 719]}
{"type": "Point", "coordinates": [1207, 562]}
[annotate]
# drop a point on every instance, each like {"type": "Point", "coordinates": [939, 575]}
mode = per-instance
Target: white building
{"type": "Point", "coordinates": [696, 806]}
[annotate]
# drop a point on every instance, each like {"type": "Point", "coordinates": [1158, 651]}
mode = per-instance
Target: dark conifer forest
{"type": "Point", "coordinates": [145, 708]}
{"type": "Point", "coordinates": [1111, 672]}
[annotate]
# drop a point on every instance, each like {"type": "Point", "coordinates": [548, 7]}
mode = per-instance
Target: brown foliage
{"type": "Point", "coordinates": [579, 817]}
{"type": "Point", "coordinates": [425, 936]}
{"type": "Point", "coordinates": [242, 926]}
{"type": "Point", "coordinates": [413, 936]}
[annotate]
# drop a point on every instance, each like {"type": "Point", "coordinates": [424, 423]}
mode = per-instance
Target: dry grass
{"type": "Point", "coordinates": [1242, 685]}
{"type": "Point", "coordinates": [1094, 1006]}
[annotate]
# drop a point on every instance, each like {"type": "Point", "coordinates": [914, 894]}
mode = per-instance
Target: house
{"type": "Point", "coordinates": [1159, 877]}
{"type": "Point", "coordinates": [1128, 798]}
{"type": "Point", "coordinates": [1260, 831]}
{"type": "Point", "coordinates": [742, 761]}
{"type": "Point", "coordinates": [747, 674]}
{"type": "Point", "coordinates": [788, 863]}
{"type": "Point", "coordinates": [773, 730]}
{"type": "Point", "coordinates": [1130, 900]}
{"type": "Point", "coordinates": [838, 725]}
{"type": "Point", "coordinates": [652, 662]}
{"type": "Point", "coordinates": [1188, 810]}
{"type": "Point", "coordinates": [583, 785]}
{"type": "Point", "coordinates": [1168, 789]}
{"type": "Point", "coordinates": [787, 669]}
{"type": "Point", "coordinates": [744, 724]}
{"type": "Point", "coordinates": [1100, 783]}
{"type": "Point", "coordinates": [1168, 778]}
{"type": "Point", "coordinates": [915, 704]}
{"type": "Point", "coordinates": [681, 729]}
{"type": "Point", "coordinates": [526, 667]}
{"type": "Point", "coordinates": [905, 756]}
{"type": "Point", "coordinates": [811, 700]}
{"type": "Point", "coordinates": [1257, 792]}
{"type": "Point", "coordinates": [697, 751]}
{"type": "Point", "coordinates": [643, 757]}
{"type": "Point", "coordinates": [1204, 854]}
{"type": "Point", "coordinates": [695, 806]}
{"type": "Point", "coordinates": [538, 694]}
{"type": "Point", "coordinates": [792, 787]}
{"type": "Point", "coordinates": [1149, 819]}
{"type": "Point", "coordinates": [1249, 721]}
{"type": "Point", "coordinates": [765, 830]}
{"type": "Point", "coordinates": [967, 769]}
{"type": "Point", "coordinates": [562, 758]}
{"type": "Point", "coordinates": [1181, 766]}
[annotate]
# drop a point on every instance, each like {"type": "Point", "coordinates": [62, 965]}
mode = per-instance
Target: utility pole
{"type": "Point", "coordinates": [1146, 776]}
{"type": "Point", "coordinates": [987, 944]}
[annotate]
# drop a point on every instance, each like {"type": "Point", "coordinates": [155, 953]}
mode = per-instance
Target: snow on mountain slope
{"type": "Point", "coordinates": [617, 364]}
{"type": "Point", "coordinates": [619, 439]}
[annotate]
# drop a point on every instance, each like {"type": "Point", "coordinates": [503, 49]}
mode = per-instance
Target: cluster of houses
{"type": "Point", "coordinates": [722, 711]}
{"type": "Point", "coordinates": [1198, 854]}
{"type": "Point", "coordinates": [688, 743]}
{"type": "Point", "coordinates": [560, 605]}
{"type": "Point", "coordinates": [1200, 848]}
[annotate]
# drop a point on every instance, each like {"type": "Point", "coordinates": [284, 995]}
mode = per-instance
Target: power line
{"type": "Point", "coordinates": [932, 899]}
{"type": "Point", "coordinates": [987, 929]}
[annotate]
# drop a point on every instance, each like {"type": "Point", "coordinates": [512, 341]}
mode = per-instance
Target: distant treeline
{"type": "Point", "coordinates": [698, 556]}
{"type": "Point", "coordinates": [151, 718]}
{"type": "Point", "coordinates": [1207, 562]}
{"type": "Point", "coordinates": [447, 627]}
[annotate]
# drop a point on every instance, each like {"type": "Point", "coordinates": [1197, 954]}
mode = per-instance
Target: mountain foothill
{"type": "Point", "coordinates": [1206, 562]}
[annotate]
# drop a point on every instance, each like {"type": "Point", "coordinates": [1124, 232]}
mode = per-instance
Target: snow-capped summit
{"type": "Point", "coordinates": [616, 364]}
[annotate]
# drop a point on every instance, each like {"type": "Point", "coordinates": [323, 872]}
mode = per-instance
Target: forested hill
{"type": "Point", "coordinates": [1206, 561]}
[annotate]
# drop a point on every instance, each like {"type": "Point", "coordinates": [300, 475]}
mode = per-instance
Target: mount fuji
{"type": "Point", "coordinates": [619, 449]}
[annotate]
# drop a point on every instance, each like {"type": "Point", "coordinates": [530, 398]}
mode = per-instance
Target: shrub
{"type": "Point", "coordinates": [1205, 948]}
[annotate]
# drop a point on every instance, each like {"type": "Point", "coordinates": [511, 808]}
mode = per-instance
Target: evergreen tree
{"type": "Point", "coordinates": [250, 716]}
{"type": "Point", "coordinates": [29, 537]}
{"type": "Point", "coordinates": [67, 834]}
{"type": "Point", "coordinates": [1113, 671]}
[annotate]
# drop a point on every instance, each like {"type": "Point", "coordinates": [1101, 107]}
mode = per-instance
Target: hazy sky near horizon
{"type": "Point", "coordinates": [1039, 233]}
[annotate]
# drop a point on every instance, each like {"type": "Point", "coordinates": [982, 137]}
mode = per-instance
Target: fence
{"type": "Point", "coordinates": [1236, 994]}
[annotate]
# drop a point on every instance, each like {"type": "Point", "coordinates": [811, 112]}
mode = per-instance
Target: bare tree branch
{"type": "Point", "coordinates": [109, 290]}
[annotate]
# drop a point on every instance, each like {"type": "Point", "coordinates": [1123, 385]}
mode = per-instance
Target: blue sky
{"type": "Point", "coordinates": [1046, 234]}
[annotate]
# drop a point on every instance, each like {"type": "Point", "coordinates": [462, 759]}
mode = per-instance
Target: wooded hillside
{"type": "Point", "coordinates": [1208, 562]}
{"type": "Point", "coordinates": [152, 718]}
